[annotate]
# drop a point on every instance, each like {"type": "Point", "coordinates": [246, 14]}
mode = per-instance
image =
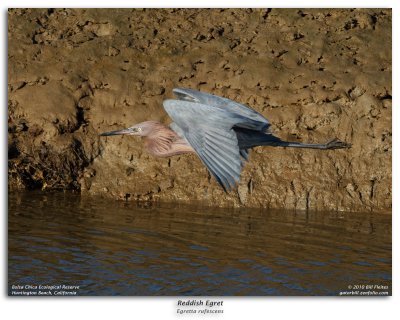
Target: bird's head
{"type": "Point", "coordinates": [142, 129]}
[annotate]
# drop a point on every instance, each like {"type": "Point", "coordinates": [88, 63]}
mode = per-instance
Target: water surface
{"type": "Point", "coordinates": [117, 248]}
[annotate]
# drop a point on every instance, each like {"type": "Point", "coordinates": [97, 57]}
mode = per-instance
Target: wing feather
{"type": "Point", "coordinates": [209, 131]}
{"type": "Point", "coordinates": [245, 154]}
{"type": "Point", "coordinates": [257, 120]}
{"type": "Point", "coordinates": [216, 174]}
{"type": "Point", "coordinates": [219, 170]}
{"type": "Point", "coordinates": [221, 159]}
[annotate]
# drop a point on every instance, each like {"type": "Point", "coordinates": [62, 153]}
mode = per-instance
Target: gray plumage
{"type": "Point", "coordinates": [220, 131]}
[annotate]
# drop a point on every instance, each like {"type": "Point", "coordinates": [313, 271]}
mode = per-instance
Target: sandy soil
{"type": "Point", "coordinates": [315, 74]}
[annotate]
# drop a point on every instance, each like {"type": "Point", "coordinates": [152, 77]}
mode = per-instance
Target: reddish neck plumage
{"type": "Point", "coordinates": [164, 142]}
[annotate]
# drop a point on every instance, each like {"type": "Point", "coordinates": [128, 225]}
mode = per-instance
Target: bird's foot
{"type": "Point", "coordinates": [337, 144]}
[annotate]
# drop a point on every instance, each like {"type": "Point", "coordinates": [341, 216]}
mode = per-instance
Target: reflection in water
{"type": "Point", "coordinates": [117, 248]}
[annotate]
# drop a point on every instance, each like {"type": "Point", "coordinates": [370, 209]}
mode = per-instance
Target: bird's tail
{"type": "Point", "coordinates": [249, 139]}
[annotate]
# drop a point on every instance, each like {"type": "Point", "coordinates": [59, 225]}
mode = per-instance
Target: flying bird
{"type": "Point", "coordinates": [220, 131]}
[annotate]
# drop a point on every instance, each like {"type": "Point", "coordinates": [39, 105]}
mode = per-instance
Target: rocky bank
{"type": "Point", "coordinates": [315, 74]}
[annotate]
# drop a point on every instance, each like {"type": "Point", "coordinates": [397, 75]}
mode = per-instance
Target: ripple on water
{"type": "Point", "coordinates": [117, 248]}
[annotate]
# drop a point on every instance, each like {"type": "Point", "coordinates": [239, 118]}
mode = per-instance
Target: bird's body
{"type": "Point", "coordinates": [220, 131]}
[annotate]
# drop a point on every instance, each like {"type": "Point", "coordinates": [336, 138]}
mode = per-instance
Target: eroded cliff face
{"type": "Point", "coordinates": [315, 74]}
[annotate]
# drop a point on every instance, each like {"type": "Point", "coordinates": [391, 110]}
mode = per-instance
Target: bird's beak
{"type": "Point", "coordinates": [119, 132]}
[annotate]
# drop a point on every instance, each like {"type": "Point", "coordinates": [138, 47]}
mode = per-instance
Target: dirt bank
{"type": "Point", "coordinates": [315, 74]}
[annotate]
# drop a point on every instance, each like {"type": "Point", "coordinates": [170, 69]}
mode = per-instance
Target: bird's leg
{"type": "Point", "coordinates": [333, 144]}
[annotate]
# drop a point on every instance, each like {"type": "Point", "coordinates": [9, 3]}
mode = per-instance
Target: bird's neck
{"type": "Point", "coordinates": [158, 129]}
{"type": "Point", "coordinates": [164, 142]}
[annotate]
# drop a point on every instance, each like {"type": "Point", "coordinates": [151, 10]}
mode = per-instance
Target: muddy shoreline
{"type": "Point", "coordinates": [315, 74]}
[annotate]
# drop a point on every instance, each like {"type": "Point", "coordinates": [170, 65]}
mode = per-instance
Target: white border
{"type": "Point", "coordinates": [165, 308]}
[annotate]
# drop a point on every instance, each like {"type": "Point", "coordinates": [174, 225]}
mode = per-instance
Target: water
{"type": "Point", "coordinates": [116, 248]}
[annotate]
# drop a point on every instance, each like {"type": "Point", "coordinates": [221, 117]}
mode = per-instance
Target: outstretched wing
{"type": "Point", "coordinates": [258, 121]}
{"type": "Point", "coordinates": [244, 153]}
{"type": "Point", "coordinates": [209, 131]}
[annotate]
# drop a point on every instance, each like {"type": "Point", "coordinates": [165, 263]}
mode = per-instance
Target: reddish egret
{"type": "Point", "coordinates": [220, 131]}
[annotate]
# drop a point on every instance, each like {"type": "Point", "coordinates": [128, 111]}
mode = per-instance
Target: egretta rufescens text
{"type": "Point", "coordinates": [220, 131]}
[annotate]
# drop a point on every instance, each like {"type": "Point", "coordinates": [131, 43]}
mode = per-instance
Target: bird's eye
{"type": "Point", "coordinates": [139, 129]}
